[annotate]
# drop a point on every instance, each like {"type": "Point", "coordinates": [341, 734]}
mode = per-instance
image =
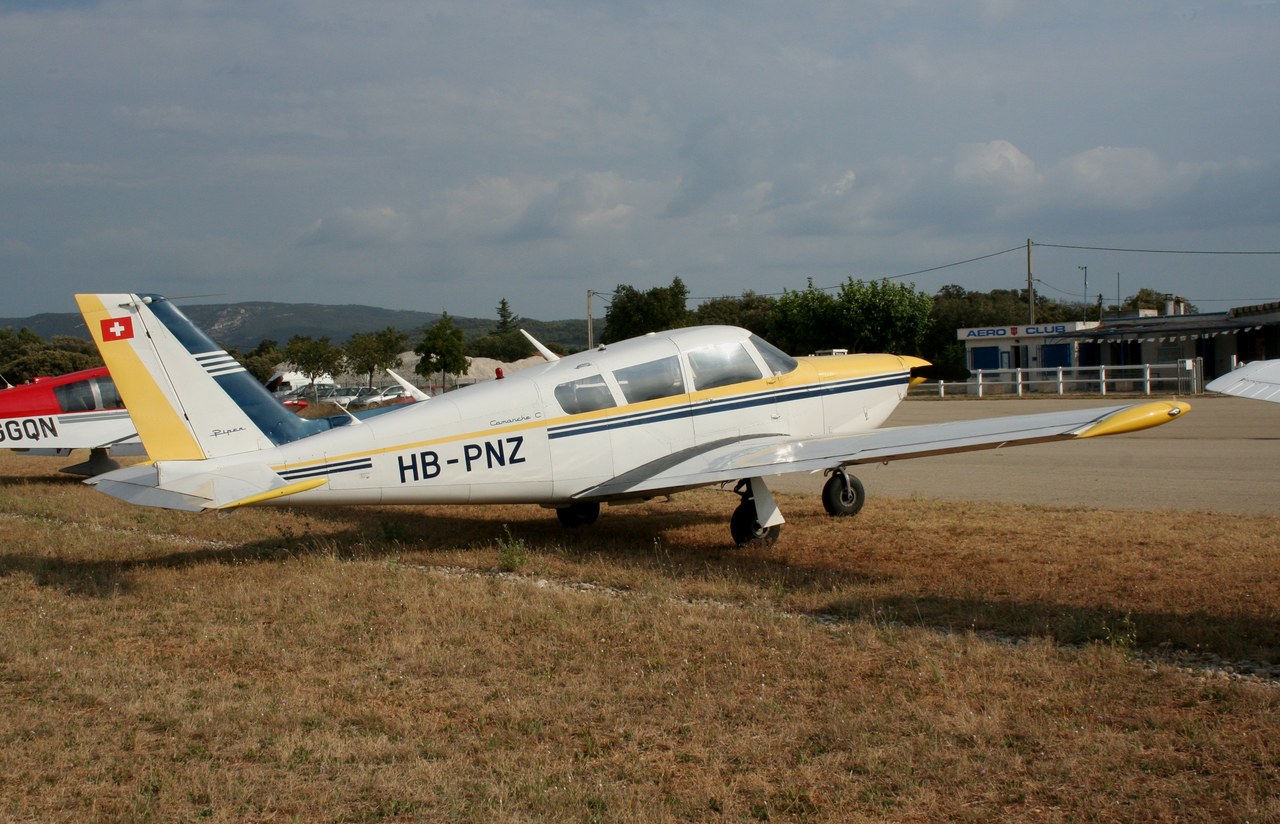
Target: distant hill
{"type": "Point", "coordinates": [242, 326]}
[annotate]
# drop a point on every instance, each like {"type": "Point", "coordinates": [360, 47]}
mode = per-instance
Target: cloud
{"type": "Point", "coordinates": [555, 148]}
{"type": "Point", "coordinates": [715, 163]}
{"type": "Point", "coordinates": [998, 164]}
{"type": "Point", "coordinates": [1121, 179]}
{"type": "Point", "coordinates": [355, 228]}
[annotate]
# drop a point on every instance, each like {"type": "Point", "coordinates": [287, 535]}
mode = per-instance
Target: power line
{"type": "Point", "coordinates": [1019, 248]}
{"type": "Point", "coordinates": [957, 263]}
{"type": "Point", "coordinates": [883, 277]}
{"type": "Point", "coordinates": [1056, 289]}
{"type": "Point", "coordinates": [1150, 251]}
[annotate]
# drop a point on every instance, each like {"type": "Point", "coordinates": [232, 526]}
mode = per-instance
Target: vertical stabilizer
{"type": "Point", "coordinates": [189, 399]}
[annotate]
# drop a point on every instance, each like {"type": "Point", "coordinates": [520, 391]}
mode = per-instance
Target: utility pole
{"type": "Point", "coordinates": [1117, 294]}
{"type": "Point", "coordinates": [1031, 290]}
{"type": "Point", "coordinates": [591, 293]}
{"type": "Point", "coordinates": [1085, 269]}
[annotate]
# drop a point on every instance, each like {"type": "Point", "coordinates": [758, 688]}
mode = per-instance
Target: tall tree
{"type": "Point", "coordinates": [313, 357]}
{"type": "Point", "coordinates": [875, 316]}
{"type": "Point", "coordinates": [632, 313]}
{"type": "Point", "coordinates": [370, 352]}
{"type": "Point", "coordinates": [751, 311]}
{"type": "Point", "coordinates": [804, 322]}
{"type": "Point", "coordinates": [508, 321]}
{"type": "Point", "coordinates": [442, 350]}
{"type": "Point", "coordinates": [883, 316]}
{"type": "Point", "coordinates": [262, 359]}
{"type": "Point", "coordinates": [504, 343]}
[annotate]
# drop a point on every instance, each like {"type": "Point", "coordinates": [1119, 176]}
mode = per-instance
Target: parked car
{"type": "Point", "coordinates": [390, 395]}
{"type": "Point", "coordinates": [339, 395]}
{"type": "Point", "coordinates": [295, 400]}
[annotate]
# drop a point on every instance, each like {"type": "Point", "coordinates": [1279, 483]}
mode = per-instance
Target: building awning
{"type": "Point", "coordinates": [1177, 328]}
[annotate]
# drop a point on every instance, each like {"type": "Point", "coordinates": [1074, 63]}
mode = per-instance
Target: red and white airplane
{"type": "Point", "coordinates": [79, 410]}
{"type": "Point", "coordinates": [616, 424]}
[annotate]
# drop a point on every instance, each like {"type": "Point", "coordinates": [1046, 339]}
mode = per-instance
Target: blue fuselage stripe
{"type": "Point", "coordinates": [702, 408]}
{"type": "Point", "coordinates": [327, 469]}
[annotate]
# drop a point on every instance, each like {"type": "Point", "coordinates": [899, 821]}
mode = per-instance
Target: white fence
{"type": "Point", "coordinates": [1182, 378]}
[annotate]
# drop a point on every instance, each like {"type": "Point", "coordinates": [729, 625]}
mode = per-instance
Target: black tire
{"type": "Point", "coordinates": [840, 500]}
{"type": "Point", "coordinates": [746, 529]}
{"type": "Point", "coordinates": [580, 513]}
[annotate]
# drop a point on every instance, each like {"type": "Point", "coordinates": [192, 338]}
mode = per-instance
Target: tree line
{"type": "Point", "coordinates": [860, 316]}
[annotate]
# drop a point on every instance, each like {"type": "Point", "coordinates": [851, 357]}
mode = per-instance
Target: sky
{"type": "Point", "coordinates": [443, 156]}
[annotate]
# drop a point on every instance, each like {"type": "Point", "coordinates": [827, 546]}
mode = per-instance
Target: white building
{"type": "Point", "coordinates": [1035, 346]}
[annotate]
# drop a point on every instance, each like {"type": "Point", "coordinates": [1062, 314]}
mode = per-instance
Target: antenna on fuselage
{"type": "Point", "coordinates": [542, 350]}
{"type": "Point", "coordinates": [410, 390]}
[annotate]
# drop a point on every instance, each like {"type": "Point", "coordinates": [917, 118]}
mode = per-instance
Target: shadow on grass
{"type": "Point", "coordinates": [41, 480]}
{"type": "Point", "coordinates": [638, 541]}
{"type": "Point", "coordinates": [1230, 636]}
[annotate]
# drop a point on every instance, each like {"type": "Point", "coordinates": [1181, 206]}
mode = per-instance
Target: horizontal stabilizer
{"type": "Point", "coordinates": [187, 486]}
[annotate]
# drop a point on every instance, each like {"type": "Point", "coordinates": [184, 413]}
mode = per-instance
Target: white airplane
{"type": "Point", "coordinates": [620, 423]}
{"type": "Point", "coordinates": [1259, 380]}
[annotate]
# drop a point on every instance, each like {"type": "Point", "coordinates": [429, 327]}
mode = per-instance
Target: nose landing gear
{"type": "Point", "coordinates": [757, 520]}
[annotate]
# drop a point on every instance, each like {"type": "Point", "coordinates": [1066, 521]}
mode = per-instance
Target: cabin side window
{"type": "Point", "coordinates": [75, 397]}
{"type": "Point", "coordinates": [109, 394]}
{"type": "Point", "coordinates": [652, 380]}
{"type": "Point", "coordinates": [779, 362]}
{"type": "Point", "coordinates": [721, 365]}
{"type": "Point", "coordinates": [584, 395]}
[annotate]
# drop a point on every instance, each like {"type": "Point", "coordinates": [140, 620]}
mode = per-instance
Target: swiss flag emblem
{"type": "Point", "coordinates": [117, 328]}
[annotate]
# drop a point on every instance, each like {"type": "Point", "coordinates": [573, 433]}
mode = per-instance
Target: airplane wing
{"type": "Point", "coordinates": [1259, 380]}
{"type": "Point", "coordinates": [767, 455]}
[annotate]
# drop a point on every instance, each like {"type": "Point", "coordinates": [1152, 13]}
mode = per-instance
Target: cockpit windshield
{"type": "Point", "coordinates": [779, 362]}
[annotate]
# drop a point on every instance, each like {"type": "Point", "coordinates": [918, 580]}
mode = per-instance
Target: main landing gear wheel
{"type": "Point", "coordinates": [843, 494]}
{"type": "Point", "coordinates": [745, 526]}
{"type": "Point", "coordinates": [579, 513]}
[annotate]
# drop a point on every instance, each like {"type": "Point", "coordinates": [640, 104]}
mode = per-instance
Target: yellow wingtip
{"type": "Point", "coordinates": [1136, 418]}
{"type": "Point", "coordinates": [280, 492]}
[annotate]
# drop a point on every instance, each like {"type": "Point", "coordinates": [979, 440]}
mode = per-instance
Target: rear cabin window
{"type": "Point", "coordinates": [584, 395]}
{"type": "Point", "coordinates": [721, 365]}
{"type": "Point", "coordinates": [652, 380]}
{"type": "Point", "coordinates": [75, 397]}
{"type": "Point", "coordinates": [109, 394]}
{"type": "Point", "coordinates": [779, 362]}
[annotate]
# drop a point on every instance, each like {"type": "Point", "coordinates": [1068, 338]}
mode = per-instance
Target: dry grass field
{"type": "Point", "coordinates": [925, 661]}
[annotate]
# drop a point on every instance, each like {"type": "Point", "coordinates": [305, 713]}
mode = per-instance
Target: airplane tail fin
{"type": "Point", "coordinates": [189, 399]}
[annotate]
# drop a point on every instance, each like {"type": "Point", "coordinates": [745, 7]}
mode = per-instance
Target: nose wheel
{"type": "Point", "coordinates": [746, 525]}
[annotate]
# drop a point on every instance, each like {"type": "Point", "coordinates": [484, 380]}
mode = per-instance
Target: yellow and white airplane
{"type": "Point", "coordinates": [620, 423]}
